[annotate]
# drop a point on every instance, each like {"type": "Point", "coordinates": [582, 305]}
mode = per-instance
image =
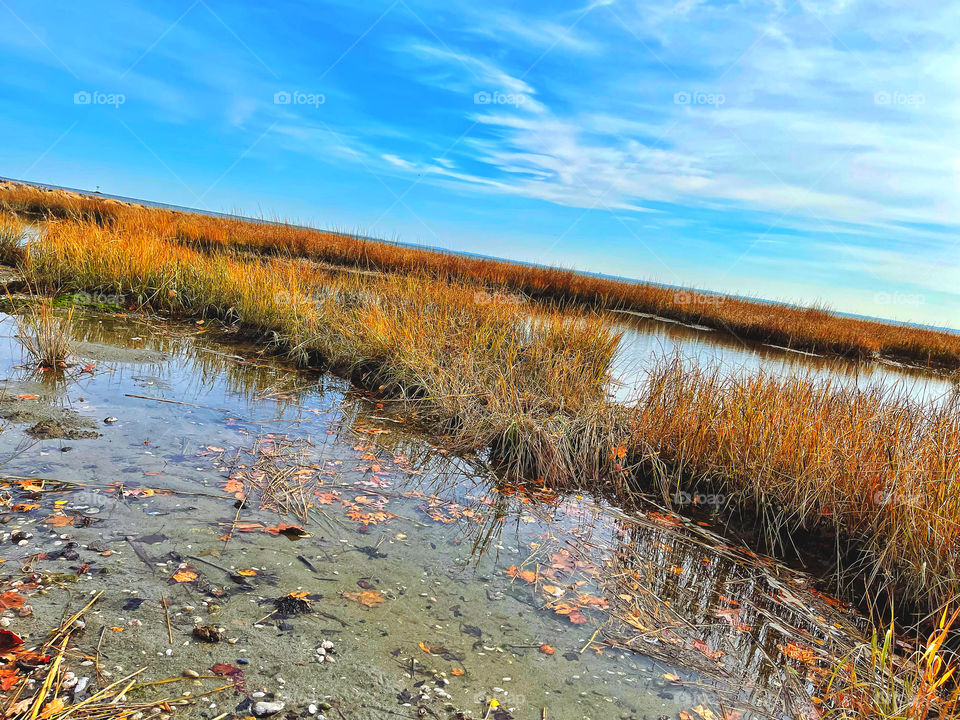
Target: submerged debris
{"type": "Point", "coordinates": [294, 603]}
{"type": "Point", "coordinates": [208, 633]}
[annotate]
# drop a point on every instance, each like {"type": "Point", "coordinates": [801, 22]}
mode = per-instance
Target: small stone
{"type": "Point", "coordinates": [326, 645]}
{"type": "Point", "coordinates": [264, 708]}
{"type": "Point", "coordinates": [109, 420]}
{"type": "Point", "coordinates": [312, 709]}
{"type": "Point", "coordinates": [191, 673]}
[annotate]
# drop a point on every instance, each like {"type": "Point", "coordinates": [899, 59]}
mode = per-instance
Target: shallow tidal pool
{"type": "Point", "coordinates": [280, 513]}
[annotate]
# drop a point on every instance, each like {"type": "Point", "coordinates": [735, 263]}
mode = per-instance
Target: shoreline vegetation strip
{"type": "Point", "coordinates": [810, 329]}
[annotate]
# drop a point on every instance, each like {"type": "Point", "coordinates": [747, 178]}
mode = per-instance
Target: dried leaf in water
{"type": "Point", "coordinates": [59, 520]}
{"type": "Point", "coordinates": [705, 712]}
{"type": "Point", "coordinates": [11, 600]}
{"type": "Point", "coordinates": [247, 572]}
{"type": "Point", "coordinates": [185, 576]}
{"type": "Point", "coordinates": [547, 649]}
{"type": "Point", "coordinates": [294, 532]}
{"type": "Point", "coordinates": [9, 641]}
{"type": "Point", "coordinates": [798, 652]}
{"type": "Point", "coordinates": [456, 671]}
{"type": "Point", "coordinates": [365, 598]}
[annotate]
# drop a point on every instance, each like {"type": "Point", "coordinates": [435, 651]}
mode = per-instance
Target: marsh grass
{"type": "Point", "coordinates": [45, 335]}
{"type": "Point", "coordinates": [526, 386]}
{"type": "Point", "coordinates": [871, 464]}
{"type": "Point", "coordinates": [894, 687]}
{"type": "Point", "coordinates": [814, 329]}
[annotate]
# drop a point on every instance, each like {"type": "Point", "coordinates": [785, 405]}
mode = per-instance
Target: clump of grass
{"type": "Point", "coordinates": [45, 335]}
{"type": "Point", "coordinates": [12, 234]}
{"type": "Point", "coordinates": [895, 688]}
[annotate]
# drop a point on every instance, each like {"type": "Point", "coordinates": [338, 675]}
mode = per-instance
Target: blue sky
{"type": "Point", "coordinates": [802, 150]}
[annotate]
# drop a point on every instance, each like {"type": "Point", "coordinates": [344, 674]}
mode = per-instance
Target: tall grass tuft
{"type": "Point", "coordinates": [44, 335]}
{"type": "Point", "coordinates": [12, 238]}
{"type": "Point", "coordinates": [920, 687]}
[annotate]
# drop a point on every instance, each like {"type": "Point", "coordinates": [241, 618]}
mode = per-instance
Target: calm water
{"type": "Point", "coordinates": [647, 339]}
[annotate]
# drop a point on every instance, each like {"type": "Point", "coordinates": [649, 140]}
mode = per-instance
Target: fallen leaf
{"type": "Point", "coordinates": [247, 572]}
{"type": "Point", "coordinates": [456, 671]}
{"type": "Point", "coordinates": [54, 707]}
{"type": "Point", "coordinates": [9, 641]}
{"type": "Point", "coordinates": [705, 712]}
{"type": "Point", "coordinates": [365, 598]}
{"type": "Point", "coordinates": [705, 649]}
{"type": "Point", "coordinates": [670, 677]}
{"type": "Point", "coordinates": [11, 600]}
{"type": "Point", "coordinates": [27, 396]}
{"type": "Point", "coordinates": [290, 531]}
{"type": "Point", "coordinates": [547, 649]}
{"type": "Point", "coordinates": [185, 576]}
{"type": "Point", "coordinates": [59, 520]}
{"type": "Point", "coordinates": [8, 678]}
{"type": "Point", "coordinates": [798, 652]}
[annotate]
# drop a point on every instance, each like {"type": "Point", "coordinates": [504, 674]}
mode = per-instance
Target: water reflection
{"type": "Point", "coordinates": [645, 339]}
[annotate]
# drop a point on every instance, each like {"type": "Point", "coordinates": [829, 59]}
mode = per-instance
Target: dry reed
{"type": "Point", "coordinates": [814, 329]}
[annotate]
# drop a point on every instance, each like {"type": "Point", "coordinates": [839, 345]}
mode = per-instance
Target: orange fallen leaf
{"type": "Point", "coordinates": [798, 652]}
{"type": "Point", "coordinates": [514, 572]}
{"type": "Point", "coordinates": [59, 520]}
{"type": "Point", "coordinates": [247, 572]}
{"type": "Point", "coordinates": [365, 598]}
{"type": "Point", "coordinates": [547, 649]}
{"type": "Point", "coordinates": [185, 576]}
{"type": "Point", "coordinates": [457, 671]}
{"type": "Point", "coordinates": [54, 707]}
{"type": "Point", "coordinates": [117, 628]}
{"type": "Point", "coordinates": [8, 678]}
{"type": "Point", "coordinates": [11, 600]}
{"type": "Point", "coordinates": [705, 712]}
{"type": "Point", "coordinates": [27, 396]}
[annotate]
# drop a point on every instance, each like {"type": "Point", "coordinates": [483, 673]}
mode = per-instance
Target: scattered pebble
{"type": "Point", "coordinates": [263, 708]}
